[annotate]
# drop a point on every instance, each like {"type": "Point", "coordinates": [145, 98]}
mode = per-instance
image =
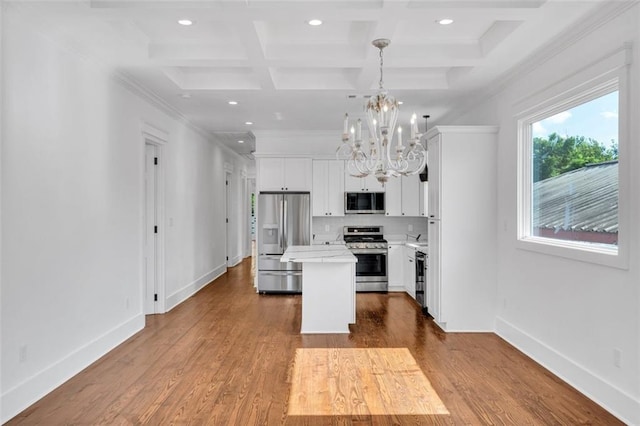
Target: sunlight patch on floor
{"type": "Point", "coordinates": [367, 381]}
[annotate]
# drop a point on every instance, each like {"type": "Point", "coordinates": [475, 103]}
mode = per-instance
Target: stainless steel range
{"type": "Point", "coordinates": [367, 243]}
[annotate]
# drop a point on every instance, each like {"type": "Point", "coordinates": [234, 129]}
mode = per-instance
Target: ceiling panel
{"type": "Point", "coordinates": [288, 75]}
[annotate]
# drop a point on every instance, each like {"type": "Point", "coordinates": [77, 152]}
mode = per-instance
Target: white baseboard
{"type": "Point", "coordinates": [37, 386]}
{"type": "Point", "coordinates": [397, 288]}
{"type": "Point", "coordinates": [617, 402]}
{"type": "Point", "coordinates": [235, 261]}
{"type": "Point", "coordinates": [192, 288]}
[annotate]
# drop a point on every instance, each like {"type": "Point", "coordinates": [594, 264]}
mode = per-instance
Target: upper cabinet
{"type": "Point", "coordinates": [434, 161]}
{"type": "Point", "coordinates": [284, 174]}
{"type": "Point", "coordinates": [403, 196]}
{"type": "Point", "coordinates": [328, 188]}
{"type": "Point", "coordinates": [362, 184]}
{"type": "Point", "coordinates": [424, 199]}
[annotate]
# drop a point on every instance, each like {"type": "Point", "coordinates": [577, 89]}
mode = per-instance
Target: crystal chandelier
{"type": "Point", "coordinates": [379, 157]}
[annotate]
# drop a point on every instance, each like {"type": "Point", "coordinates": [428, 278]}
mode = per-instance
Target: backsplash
{"type": "Point", "coordinates": [330, 227]}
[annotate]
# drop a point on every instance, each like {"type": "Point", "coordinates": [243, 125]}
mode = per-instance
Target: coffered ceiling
{"type": "Point", "coordinates": [285, 74]}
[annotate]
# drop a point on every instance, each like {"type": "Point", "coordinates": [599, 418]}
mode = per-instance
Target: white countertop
{"type": "Point", "coordinates": [318, 254]}
{"type": "Point", "coordinates": [416, 245]}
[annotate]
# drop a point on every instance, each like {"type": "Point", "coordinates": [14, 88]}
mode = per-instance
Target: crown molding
{"type": "Point", "coordinates": [154, 100]}
{"type": "Point", "coordinates": [120, 77]}
{"type": "Point", "coordinates": [549, 50]}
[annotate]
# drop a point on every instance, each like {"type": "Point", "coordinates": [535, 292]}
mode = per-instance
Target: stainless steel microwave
{"type": "Point", "coordinates": [364, 203]}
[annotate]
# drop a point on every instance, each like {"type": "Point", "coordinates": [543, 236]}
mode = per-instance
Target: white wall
{"type": "Point", "coordinates": [566, 314]}
{"type": "Point", "coordinates": [303, 144]}
{"type": "Point", "coordinates": [72, 198]}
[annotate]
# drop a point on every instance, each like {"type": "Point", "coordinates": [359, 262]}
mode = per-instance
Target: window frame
{"type": "Point", "coordinates": [579, 90]}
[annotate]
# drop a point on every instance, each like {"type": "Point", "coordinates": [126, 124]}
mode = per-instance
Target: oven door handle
{"type": "Point", "coordinates": [369, 251]}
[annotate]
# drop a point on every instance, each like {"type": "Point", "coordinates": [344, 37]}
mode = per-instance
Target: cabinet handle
{"type": "Point", "coordinates": [402, 214]}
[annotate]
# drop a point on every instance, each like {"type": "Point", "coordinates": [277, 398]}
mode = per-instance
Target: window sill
{"type": "Point", "coordinates": [596, 254]}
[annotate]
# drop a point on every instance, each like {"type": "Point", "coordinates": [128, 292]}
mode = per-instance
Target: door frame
{"type": "Point", "coordinates": [228, 176]}
{"type": "Point", "coordinates": [154, 136]}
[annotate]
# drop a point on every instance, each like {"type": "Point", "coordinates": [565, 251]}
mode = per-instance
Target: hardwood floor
{"type": "Point", "coordinates": [225, 357]}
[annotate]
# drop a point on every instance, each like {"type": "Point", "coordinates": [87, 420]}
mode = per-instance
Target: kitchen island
{"type": "Point", "coordinates": [328, 287]}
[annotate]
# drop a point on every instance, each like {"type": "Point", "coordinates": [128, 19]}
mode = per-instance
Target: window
{"type": "Point", "coordinates": [569, 192]}
{"type": "Point", "coordinates": [575, 173]}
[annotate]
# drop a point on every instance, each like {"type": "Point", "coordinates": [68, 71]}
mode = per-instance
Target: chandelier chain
{"type": "Point", "coordinates": [381, 64]}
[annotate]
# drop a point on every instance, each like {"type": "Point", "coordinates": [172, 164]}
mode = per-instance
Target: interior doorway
{"type": "Point", "coordinates": [229, 217]}
{"type": "Point", "coordinates": [153, 284]}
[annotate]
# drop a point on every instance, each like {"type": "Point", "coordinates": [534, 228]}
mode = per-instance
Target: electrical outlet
{"type": "Point", "coordinates": [617, 357]}
{"type": "Point", "coordinates": [22, 354]}
{"type": "Point", "coordinates": [126, 303]}
{"type": "Point", "coordinates": [410, 227]}
{"type": "Point", "coordinates": [327, 228]}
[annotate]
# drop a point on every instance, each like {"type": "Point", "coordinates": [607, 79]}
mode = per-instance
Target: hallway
{"type": "Point", "coordinates": [225, 357]}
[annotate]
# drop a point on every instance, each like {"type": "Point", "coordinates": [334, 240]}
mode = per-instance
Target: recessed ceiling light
{"type": "Point", "coordinates": [248, 123]}
{"type": "Point", "coordinates": [233, 102]}
{"type": "Point", "coordinates": [315, 22]}
{"type": "Point", "coordinates": [185, 22]}
{"type": "Point", "coordinates": [400, 102]}
{"type": "Point", "coordinates": [240, 141]}
{"type": "Point", "coordinates": [445, 21]}
{"type": "Point", "coordinates": [185, 95]}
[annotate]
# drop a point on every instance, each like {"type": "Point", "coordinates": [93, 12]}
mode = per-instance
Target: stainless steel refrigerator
{"type": "Point", "coordinates": [284, 219]}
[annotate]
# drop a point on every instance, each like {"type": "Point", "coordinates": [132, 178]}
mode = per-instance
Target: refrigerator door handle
{"type": "Point", "coordinates": [270, 256]}
{"type": "Point", "coordinates": [282, 274]}
{"type": "Point", "coordinates": [280, 227]}
{"type": "Point", "coordinates": [285, 243]}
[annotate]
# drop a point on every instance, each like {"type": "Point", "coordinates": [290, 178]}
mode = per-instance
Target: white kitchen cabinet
{"type": "Point", "coordinates": [328, 188]}
{"type": "Point", "coordinates": [393, 197]}
{"type": "Point", "coordinates": [462, 228]}
{"type": "Point", "coordinates": [423, 199]}
{"type": "Point", "coordinates": [411, 195]}
{"type": "Point", "coordinates": [402, 197]}
{"type": "Point", "coordinates": [395, 265]}
{"type": "Point", "coordinates": [284, 174]}
{"type": "Point", "coordinates": [434, 160]}
{"type": "Point", "coordinates": [410, 270]}
{"type": "Point", "coordinates": [362, 184]}
{"type": "Point", "coordinates": [432, 294]}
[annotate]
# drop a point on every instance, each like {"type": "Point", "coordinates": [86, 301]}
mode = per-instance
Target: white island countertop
{"type": "Point", "coordinates": [318, 254]}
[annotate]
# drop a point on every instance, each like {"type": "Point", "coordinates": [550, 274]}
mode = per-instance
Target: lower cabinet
{"type": "Point", "coordinates": [395, 266]}
{"type": "Point", "coordinates": [410, 270]}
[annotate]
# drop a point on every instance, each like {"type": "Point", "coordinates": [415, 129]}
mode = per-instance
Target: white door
{"type": "Point", "coordinates": [151, 230]}
{"type": "Point", "coordinates": [229, 216]}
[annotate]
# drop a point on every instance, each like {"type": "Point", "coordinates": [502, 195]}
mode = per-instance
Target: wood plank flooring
{"type": "Point", "coordinates": [360, 381]}
{"type": "Point", "coordinates": [226, 355]}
